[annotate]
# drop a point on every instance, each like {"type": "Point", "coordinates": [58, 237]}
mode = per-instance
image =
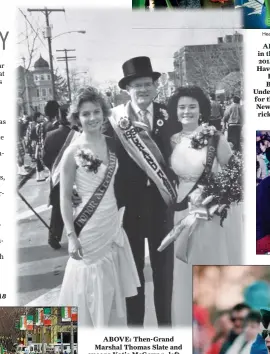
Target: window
{"type": "Point", "coordinates": [37, 92]}
{"type": "Point", "coordinates": [36, 77]}
{"type": "Point", "coordinates": [41, 77]}
{"type": "Point", "coordinates": [48, 77]}
{"type": "Point", "coordinates": [44, 93]}
{"type": "Point", "coordinates": [50, 91]}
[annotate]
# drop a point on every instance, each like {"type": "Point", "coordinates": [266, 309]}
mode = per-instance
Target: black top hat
{"type": "Point", "coordinates": [135, 68]}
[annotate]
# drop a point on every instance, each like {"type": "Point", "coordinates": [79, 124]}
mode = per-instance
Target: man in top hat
{"type": "Point", "coordinates": [142, 184]}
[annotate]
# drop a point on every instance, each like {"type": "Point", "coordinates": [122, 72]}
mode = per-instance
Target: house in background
{"type": "Point", "coordinates": [34, 87]}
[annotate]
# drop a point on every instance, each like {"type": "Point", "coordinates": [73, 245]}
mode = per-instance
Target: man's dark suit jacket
{"type": "Point", "coordinates": [263, 208]}
{"type": "Point", "coordinates": [53, 143]}
{"type": "Point", "coordinates": [50, 126]}
{"type": "Point", "coordinates": [130, 179]}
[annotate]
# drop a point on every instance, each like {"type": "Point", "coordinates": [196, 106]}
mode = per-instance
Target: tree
{"type": "Point", "coordinates": [61, 88]}
{"type": "Point", "coordinates": [24, 79]}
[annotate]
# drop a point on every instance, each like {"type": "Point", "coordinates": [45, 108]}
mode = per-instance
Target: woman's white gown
{"type": "Point", "coordinates": [211, 244]}
{"type": "Point", "coordinates": [99, 283]}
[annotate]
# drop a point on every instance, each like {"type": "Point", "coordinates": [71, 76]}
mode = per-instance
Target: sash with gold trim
{"type": "Point", "coordinates": [55, 174]}
{"type": "Point", "coordinates": [142, 149]}
{"type": "Point", "coordinates": [93, 203]}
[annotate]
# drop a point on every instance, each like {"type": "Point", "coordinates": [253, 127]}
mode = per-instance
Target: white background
{"type": "Point", "coordinates": [253, 40]}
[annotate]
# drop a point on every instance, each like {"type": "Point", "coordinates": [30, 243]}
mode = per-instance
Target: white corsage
{"type": "Point", "coordinates": [86, 159]}
{"type": "Point", "coordinates": [164, 113]}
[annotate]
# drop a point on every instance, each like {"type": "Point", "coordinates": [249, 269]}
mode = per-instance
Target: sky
{"type": "Point", "coordinates": [116, 35]}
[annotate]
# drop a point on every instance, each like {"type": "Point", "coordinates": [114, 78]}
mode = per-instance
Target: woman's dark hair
{"type": "Point", "coordinates": [88, 94]}
{"type": "Point", "coordinates": [188, 91]}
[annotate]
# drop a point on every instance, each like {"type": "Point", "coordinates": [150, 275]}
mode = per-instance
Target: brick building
{"type": "Point", "coordinates": [206, 65]}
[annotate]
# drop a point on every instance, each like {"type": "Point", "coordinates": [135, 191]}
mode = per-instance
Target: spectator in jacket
{"type": "Point", "coordinates": [243, 343]}
{"type": "Point", "coordinates": [238, 315]}
{"type": "Point", "coordinates": [223, 326]}
{"type": "Point", "coordinates": [216, 112]}
{"type": "Point", "coordinates": [52, 114]}
{"type": "Point", "coordinates": [52, 146]}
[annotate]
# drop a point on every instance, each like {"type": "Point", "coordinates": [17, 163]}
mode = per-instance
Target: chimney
{"type": "Point", "coordinates": [220, 40]}
{"type": "Point", "coordinates": [228, 38]}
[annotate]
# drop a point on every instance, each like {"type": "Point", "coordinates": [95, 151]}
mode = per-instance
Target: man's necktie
{"type": "Point", "coordinates": [144, 119]}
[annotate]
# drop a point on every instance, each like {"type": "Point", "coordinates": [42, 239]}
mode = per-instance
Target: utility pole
{"type": "Point", "coordinates": [66, 59]}
{"type": "Point", "coordinates": [71, 337]}
{"type": "Point", "coordinates": [26, 330]}
{"type": "Point", "coordinates": [48, 32]}
{"type": "Point", "coordinates": [43, 338]}
{"type": "Point", "coordinates": [26, 87]}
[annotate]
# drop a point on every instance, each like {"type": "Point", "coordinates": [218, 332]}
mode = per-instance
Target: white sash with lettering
{"type": "Point", "coordinates": [143, 150]}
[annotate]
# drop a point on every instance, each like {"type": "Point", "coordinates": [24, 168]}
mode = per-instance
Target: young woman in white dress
{"type": "Point", "coordinates": [211, 243]}
{"type": "Point", "coordinates": [100, 272]}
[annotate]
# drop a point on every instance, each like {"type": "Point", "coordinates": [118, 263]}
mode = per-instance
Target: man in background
{"type": "Point", "coordinates": [52, 146]}
{"type": "Point", "coordinates": [243, 343]}
{"type": "Point", "coordinates": [238, 314]}
{"type": "Point", "coordinates": [52, 113]}
{"type": "Point", "coordinates": [233, 119]}
{"type": "Point", "coordinates": [216, 112]}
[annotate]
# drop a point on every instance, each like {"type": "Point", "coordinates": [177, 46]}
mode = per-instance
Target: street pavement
{"type": "Point", "coordinates": [41, 268]}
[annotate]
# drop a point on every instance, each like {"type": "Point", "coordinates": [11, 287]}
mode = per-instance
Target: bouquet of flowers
{"type": "Point", "coordinates": [213, 196]}
{"type": "Point", "coordinates": [200, 139]}
{"type": "Point", "coordinates": [224, 188]}
{"type": "Point", "coordinates": [86, 159]}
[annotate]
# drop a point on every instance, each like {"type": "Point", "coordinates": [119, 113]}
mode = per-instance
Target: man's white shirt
{"type": "Point", "coordinates": [150, 113]}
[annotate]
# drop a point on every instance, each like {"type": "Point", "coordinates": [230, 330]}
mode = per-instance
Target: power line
{"type": "Point", "coordinates": [66, 59]}
{"type": "Point", "coordinates": [32, 28]}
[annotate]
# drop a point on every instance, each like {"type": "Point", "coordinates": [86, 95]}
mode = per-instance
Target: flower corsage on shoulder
{"type": "Point", "coordinates": [86, 159]}
{"type": "Point", "coordinates": [200, 139]}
